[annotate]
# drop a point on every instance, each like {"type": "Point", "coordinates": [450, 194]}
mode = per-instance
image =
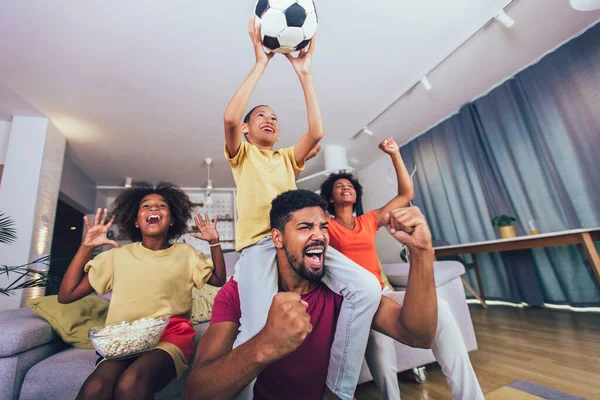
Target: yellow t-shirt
{"type": "Point", "coordinates": [260, 176]}
{"type": "Point", "coordinates": [148, 283]}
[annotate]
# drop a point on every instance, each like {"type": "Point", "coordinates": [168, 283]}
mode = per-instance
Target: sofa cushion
{"type": "Point", "coordinates": [72, 321]}
{"type": "Point", "coordinates": [200, 329]}
{"type": "Point", "coordinates": [397, 274]}
{"type": "Point", "coordinates": [444, 272]}
{"type": "Point", "coordinates": [202, 303]}
{"type": "Point", "coordinates": [63, 373]}
{"type": "Point", "coordinates": [22, 330]}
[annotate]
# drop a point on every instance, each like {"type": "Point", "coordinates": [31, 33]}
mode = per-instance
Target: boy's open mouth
{"type": "Point", "coordinates": [267, 129]}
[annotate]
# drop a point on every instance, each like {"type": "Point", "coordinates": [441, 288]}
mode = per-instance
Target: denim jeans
{"type": "Point", "coordinates": [382, 361]}
{"type": "Point", "coordinates": [257, 278]}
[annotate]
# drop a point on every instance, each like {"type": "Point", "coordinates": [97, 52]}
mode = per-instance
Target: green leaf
{"type": "Point", "coordinates": [503, 220]}
{"type": "Point", "coordinates": [8, 233]}
{"type": "Point", "coordinates": [25, 277]}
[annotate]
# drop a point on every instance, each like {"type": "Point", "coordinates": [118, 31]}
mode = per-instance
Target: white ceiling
{"type": "Point", "coordinates": [12, 104]}
{"type": "Point", "coordinates": [139, 87]}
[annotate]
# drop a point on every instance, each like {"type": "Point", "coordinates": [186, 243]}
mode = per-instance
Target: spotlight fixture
{"type": "Point", "coordinates": [504, 19]}
{"type": "Point", "coordinates": [128, 182]}
{"type": "Point", "coordinates": [425, 83]}
{"type": "Point", "coordinates": [367, 131]}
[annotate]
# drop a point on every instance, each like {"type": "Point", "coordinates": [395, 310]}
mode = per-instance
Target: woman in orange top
{"type": "Point", "coordinates": [354, 236]}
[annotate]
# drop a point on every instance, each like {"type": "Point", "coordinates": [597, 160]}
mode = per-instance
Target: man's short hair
{"type": "Point", "coordinates": [284, 205]}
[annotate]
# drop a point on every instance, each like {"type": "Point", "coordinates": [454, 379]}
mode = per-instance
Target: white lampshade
{"type": "Point", "coordinates": [585, 5]}
{"type": "Point", "coordinates": [336, 158]}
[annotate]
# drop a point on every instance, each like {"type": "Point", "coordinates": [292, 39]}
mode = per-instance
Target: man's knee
{"type": "Point", "coordinates": [369, 293]}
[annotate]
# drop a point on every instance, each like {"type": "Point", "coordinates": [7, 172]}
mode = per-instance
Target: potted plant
{"type": "Point", "coordinates": [505, 225]}
{"type": "Point", "coordinates": [27, 276]}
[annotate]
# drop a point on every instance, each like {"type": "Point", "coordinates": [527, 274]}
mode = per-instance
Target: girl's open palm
{"type": "Point", "coordinates": [208, 230]}
{"type": "Point", "coordinates": [95, 235]}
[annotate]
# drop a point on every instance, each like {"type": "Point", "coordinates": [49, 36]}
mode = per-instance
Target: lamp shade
{"type": "Point", "coordinates": [585, 5]}
{"type": "Point", "coordinates": [336, 158]}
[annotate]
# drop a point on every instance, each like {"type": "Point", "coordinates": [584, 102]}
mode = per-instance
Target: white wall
{"type": "Point", "coordinates": [76, 188]}
{"type": "Point", "coordinates": [29, 192]}
{"type": "Point", "coordinates": [45, 211]}
{"type": "Point", "coordinates": [4, 135]}
{"type": "Point", "coordinates": [379, 186]}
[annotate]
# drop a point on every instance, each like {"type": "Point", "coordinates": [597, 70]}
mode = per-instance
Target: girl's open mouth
{"type": "Point", "coordinates": [153, 219]}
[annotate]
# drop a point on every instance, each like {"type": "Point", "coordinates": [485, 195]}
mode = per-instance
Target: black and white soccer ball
{"type": "Point", "coordinates": [286, 25]}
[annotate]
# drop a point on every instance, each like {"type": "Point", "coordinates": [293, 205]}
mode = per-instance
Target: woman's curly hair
{"type": "Point", "coordinates": [327, 190]}
{"type": "Point", "coordinates": [126, 207]}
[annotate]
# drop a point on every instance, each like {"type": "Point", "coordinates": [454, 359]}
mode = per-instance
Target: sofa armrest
{"type": "Point", "coordinates": [22, 330]}
{"type": "Point", "coordinates": [444, 272]}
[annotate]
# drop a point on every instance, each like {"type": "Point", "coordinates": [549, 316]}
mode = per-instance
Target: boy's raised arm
{"type": "Point", "coordinates": [237, 105]}
{"type": "Point", "coordinates": [302, 66]}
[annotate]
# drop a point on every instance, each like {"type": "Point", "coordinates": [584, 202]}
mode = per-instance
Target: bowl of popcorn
{"type": "Point", "coordinates": [128, 338]}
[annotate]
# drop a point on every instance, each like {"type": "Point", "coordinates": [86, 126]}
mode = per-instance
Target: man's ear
{"type": "Point", "coordinates": [244, 127]}
{"type": "Point", "coordinates": [277, 237]}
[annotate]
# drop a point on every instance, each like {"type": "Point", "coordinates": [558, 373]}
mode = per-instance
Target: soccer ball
{"type": "Point", "coordinates": [286, 25]}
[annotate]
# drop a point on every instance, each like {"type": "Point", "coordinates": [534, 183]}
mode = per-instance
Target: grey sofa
{"type": "Point", "coordinates": [36, 365]}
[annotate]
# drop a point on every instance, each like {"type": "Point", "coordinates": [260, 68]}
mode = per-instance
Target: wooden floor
{"type": "Point", "coordinates": [556, 349]}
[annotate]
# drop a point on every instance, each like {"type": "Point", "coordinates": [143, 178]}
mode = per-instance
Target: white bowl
{"type": "Point", "coordinates": [128, 338]}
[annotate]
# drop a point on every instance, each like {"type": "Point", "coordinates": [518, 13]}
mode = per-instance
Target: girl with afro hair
{"type": "Point", "coordinates": [150, 277]}
{"type": "Point", "coordinates": [353, 235]}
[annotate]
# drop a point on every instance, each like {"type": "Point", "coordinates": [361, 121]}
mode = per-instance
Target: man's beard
{"type": "Point", "coordinates": [300, 267]}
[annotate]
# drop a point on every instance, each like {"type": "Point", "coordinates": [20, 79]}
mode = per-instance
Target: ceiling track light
{"type": "Point", "coordinates": [425, 83]}
{"type": "Point", "coordinates": [504, 19]}
{"type": "Point", "coordinates": [501, 17]}
{"type": "Point", "coordinates": [128, 182]}
{"type": "Point", "coordinates": [367, 131]}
